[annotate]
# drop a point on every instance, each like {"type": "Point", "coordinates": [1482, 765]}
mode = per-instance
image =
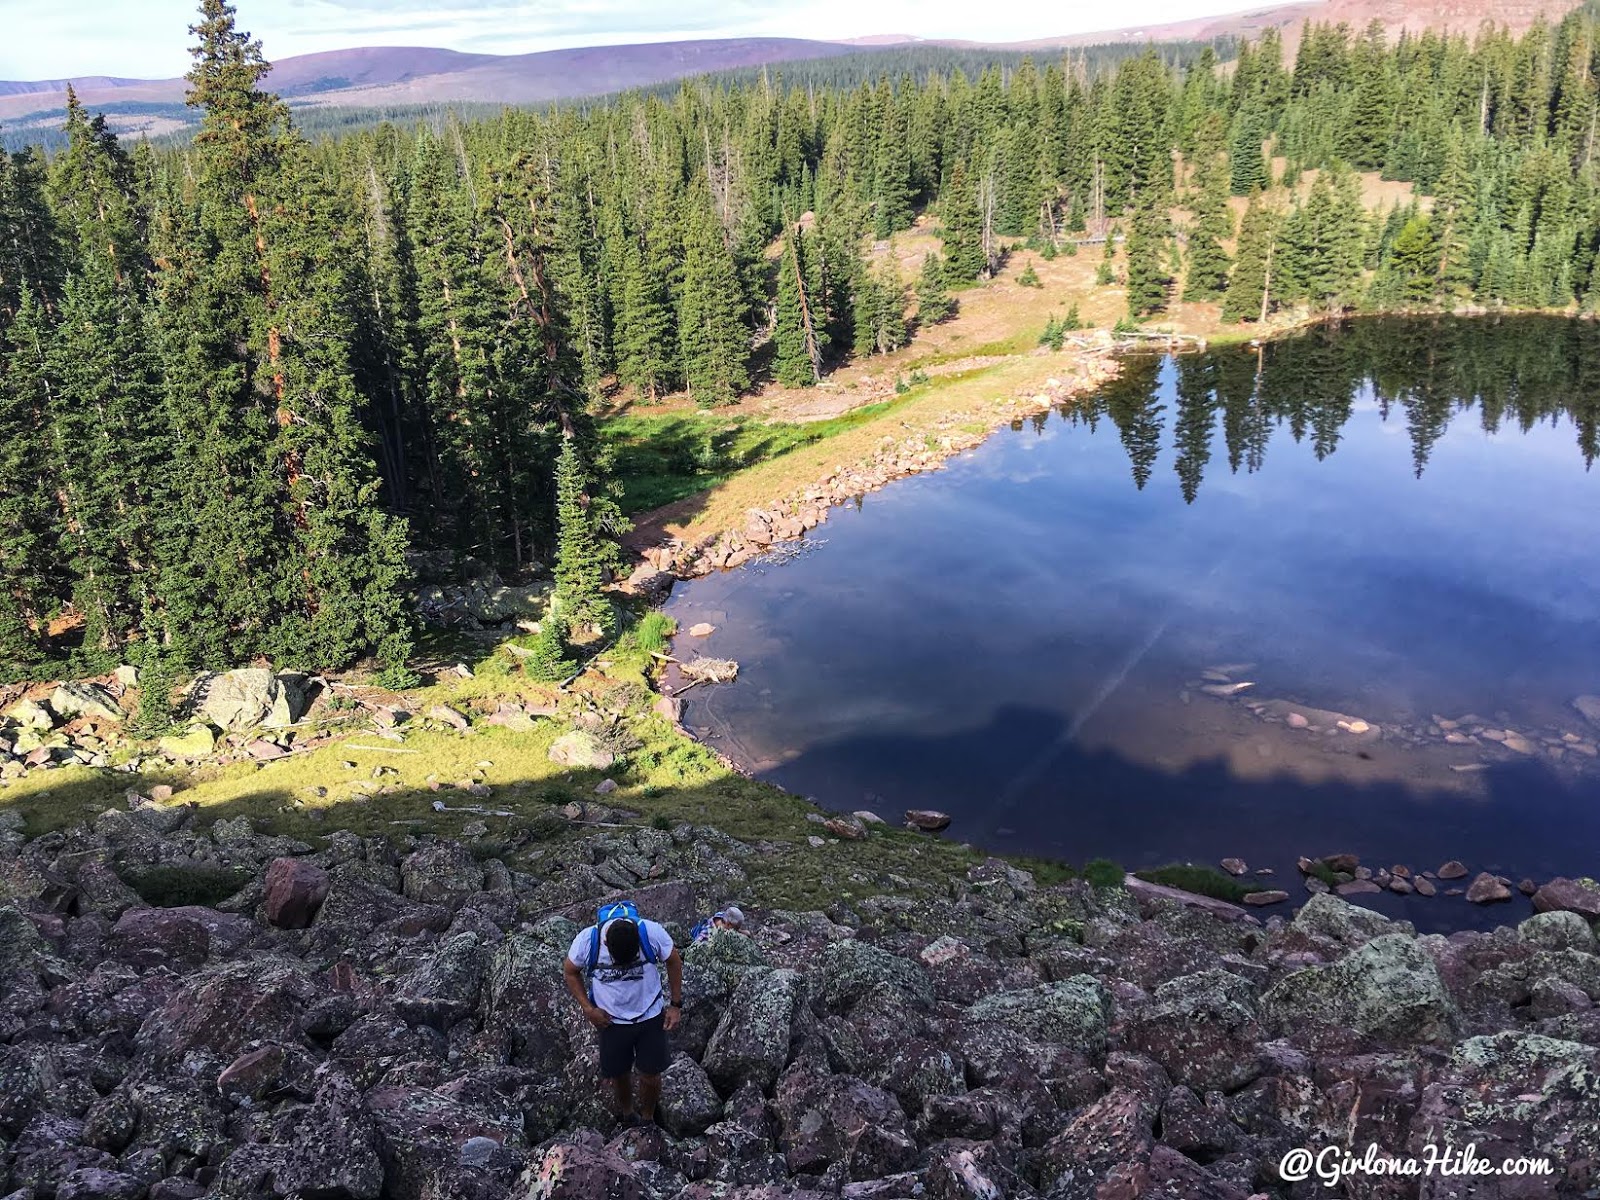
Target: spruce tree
{"type": "Point", "coordinates": [711, 327]}
{"type": "Point", "coordinates": [934, 302]}
{"type": "Point", "coordinates": [1147, 277]}
{"type": "Point", "coordinates": [28, 526]}
{"type": "Point", "coordinates": [799, 358]}
{"type": "Point", "coordinates": [579, 601]}
{"type": "Point", "coordinates": [1248, 297]}
{"type": "Point", "coordinates": [962, 228]}
{"type": "Point", "coordinates": [1213, 224]}
{"type": "Point", "coordinates": [1247, 164]}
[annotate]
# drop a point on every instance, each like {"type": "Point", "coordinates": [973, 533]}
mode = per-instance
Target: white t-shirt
{"type": "Point", "coordinates": [629, 994]}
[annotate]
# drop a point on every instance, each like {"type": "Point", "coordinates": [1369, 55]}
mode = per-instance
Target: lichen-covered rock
{"type": "Point", "coordinates": [1569, 895]}
{"type": "Point", "coordinates": [1349, 924]}
{"type": "Point", "coordinates": [1202, 1029]}
{"type": "Point", "coordinates": [848, 969]}
{"type": "Point", "coordinates": [1557, 930]}
{"type": "Point", "coordinates": [1389, 988]}
{"type": "Point", "coordinates": [445, 873]}
{"type": "Point", "coordinates": [335, 1150]}
{"type": "Point", "coordinates": [420, 1136]}
{"type": "Point", "coordinates": [1073, 1012]}
{"type": "Point", "coordinates": [752, 1041]}
{"type": "Point", "coordinates": [689, 1102]}
{"type": "Point", "coordinates": [222, 1009]}
{"type": "Point", "coordinates": [580, 748]}
{"type": "Point", "coordinates": [251, 697]}
{"type": "Point", "coordinates": [85, 700]}
{"type": "Point", "coordinates": [1514, 1095]}
{"type": "Point", "coordinates": [444, 987]}
{"type": "Point", "coordinates": [580, 1168]}
{"type": "Point", "coordinates": [827, 1119]}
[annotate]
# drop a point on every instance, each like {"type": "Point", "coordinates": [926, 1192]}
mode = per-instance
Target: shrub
{"type": "Point", "coordinates": [1029, 277]}
{"type": "Point", "coordinates": [397, 678]}
{"type": "Point", "coordinates": [652, 632]}
{"type": "Point", "coordinates": [174, 887]}
{"type": "Point", "coordinates": [1202, 881]}
{"type": "Point", "coordinates": [548, 662]}
{"type": "Point", "coordinates": [1103, 276]}
{"type": "Point", "coordinates": [1072, 322]}
{"type": "Point", "coordinates": [1103, 873]}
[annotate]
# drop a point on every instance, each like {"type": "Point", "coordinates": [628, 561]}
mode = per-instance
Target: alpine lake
{"type": "Point", "coordinates": [1336, 593]}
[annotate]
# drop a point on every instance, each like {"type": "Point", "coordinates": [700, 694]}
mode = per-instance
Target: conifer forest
{"type": "Point", "coordinates": [247, 383]}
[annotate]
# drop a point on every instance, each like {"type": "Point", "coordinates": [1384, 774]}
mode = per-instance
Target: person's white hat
{"type": "Point", "coordinates": [732, 915]}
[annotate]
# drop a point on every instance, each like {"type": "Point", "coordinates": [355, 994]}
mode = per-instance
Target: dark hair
{"type": "Point", "coordinates": [622, 939]}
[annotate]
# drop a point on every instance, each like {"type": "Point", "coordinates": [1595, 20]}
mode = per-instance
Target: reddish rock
{"type": "Point", "coordinates": [849, 828]}
{"type": "Point", "coordinates": [1234, 866]}
{"type": "Point", "coordinates": [1568, 895]}
{"type": "Point", "coordinates": [1424, 886]}
{"type": "Point", "coordinates": [295, 891]}
{"type": "Point", "coordinates": [1263, 898]}
{"type": "Point", "coordinates": [1453, 870]}
{"type": "Point", "coordinates": [264, 751]}
{"type": "Point", "coordinates": [1487, 889]}
{"type": "Point", "coordinates": [928, 820]}
{"type": "Point", "coordinates": [1342, 862]}
{"type": "Point", "coordinates": [1358, 887]}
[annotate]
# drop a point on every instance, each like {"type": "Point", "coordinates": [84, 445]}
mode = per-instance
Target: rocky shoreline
{"type": "Point", "coordinates": [925, 448]}
{"type": "Point", "coordinates": [368, 1020]}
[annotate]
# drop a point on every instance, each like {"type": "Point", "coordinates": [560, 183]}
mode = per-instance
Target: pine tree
{"type": "Point", "coordinates": [579, 600]}
{"type": "Point", "coordinates": [1213, 224]}
{"type": "Point", "coordinates": [799, 356]}
{"type": "Point", "coordinates": [1147, 278]}
{"type": "Point", "coordinates": [547, 661]}
{"type": "Point", "coordinates": [934, 302]}
{"type": "Point", "coordinates": [711, 327]}
{"type": "Point", "coordinates": [962, 228]}
{"type": "Point", "coordinates": [1250, 286]}
{"type": "Point", "coordinates": [28, 528]}
{"type": "Point", "coordinates": [880, 305]}
{"type": "Point", "coordinates": [1247, 164]}
{"type": "Point", "coordinates": [1415, 260]}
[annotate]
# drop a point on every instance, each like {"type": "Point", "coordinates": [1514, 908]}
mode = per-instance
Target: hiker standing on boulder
{"type": "Point", "coordinates": [613, 970]}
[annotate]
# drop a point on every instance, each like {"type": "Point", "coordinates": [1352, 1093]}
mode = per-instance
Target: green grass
{"type": "Point", "coordinates": [1202, 881]}
{"type": "Point", "coordinates": [663, 457]}
{"type": "Point", "coordinates": [174, 887]}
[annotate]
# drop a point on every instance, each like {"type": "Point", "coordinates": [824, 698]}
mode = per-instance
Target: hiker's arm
{"type": "Point", "coordinates": [597, 1017]}
{"type": "Point", "coordinates": [674, 988]}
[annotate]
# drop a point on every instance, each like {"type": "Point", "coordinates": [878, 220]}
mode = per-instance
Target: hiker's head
{"type": "Point", "coordinates": [729, 918]}
{"type": "Point", "coordinates": [622, 939]}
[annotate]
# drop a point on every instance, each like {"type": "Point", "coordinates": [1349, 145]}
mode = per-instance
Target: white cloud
{"type": "Point", "coordinates": [149, 38]}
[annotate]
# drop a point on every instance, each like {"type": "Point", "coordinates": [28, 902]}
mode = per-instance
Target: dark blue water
{"type": "Point", "coordinates": [1396, 522]}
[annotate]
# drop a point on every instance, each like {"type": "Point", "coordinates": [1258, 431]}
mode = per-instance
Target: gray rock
{"type": "Point", "coordinates": [752, 1041]}
{"type": "Point", "coordinates": [1347, 924]}
{"type": "Point", "coordinates": [1557, 930]}
{"type": "Point", "coordinates": [1569, 895]}
{"type": "Point", "coordinates": [581, 749]}
{"type": "Point", "coordinates": [444, 873]}
{"type": "Point", "coordinates": [1202, 1028]}
{"type": "Point", "coordinates": [689, 1103]}
{"type": "Point", "coordinates": [1388, 988]}
{"type": "Point", "coordinates": [85, 700]}
{"type": "Point", "coordinates": [1073, 1012]}
{"type": "Point", "coordinates": [251, 697]}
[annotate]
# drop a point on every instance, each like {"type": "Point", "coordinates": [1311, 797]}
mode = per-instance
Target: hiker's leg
{"type": "Point", "coordinates": [622, 1094]}
{"type": "Point", "coordinates": [654, 1053]}
{"type": "Point", "coordinates": [649, 1094]}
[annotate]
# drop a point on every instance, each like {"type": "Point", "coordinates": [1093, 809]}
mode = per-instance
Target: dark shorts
{"type": "Point", "coordinates": [642, 1045]}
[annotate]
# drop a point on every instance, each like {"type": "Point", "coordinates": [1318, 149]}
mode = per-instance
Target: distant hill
{"type": "Point", "coordinates": [400, 76]}
{"type": "Point", "coordinates": [403, 80]}
{"type": "Point", "coordinates": [1460, 16]}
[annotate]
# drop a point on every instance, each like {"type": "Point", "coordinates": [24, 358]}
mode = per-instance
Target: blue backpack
{"type": "Point", "coordinates": [622, 910]}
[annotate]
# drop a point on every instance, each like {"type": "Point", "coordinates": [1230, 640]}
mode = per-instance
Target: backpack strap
{"type": "Point", "coordinates": [645, 946]}
{"type": "Point", "coordinates": [594, 961]}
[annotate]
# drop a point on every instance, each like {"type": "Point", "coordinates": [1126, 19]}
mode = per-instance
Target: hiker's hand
{"type": "Point", "coordinates": [598, 1017]}
{"type": "Point", "coordinates": [670, 1021]}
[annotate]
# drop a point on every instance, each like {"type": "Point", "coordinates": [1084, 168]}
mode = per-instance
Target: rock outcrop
{"type": "Point", "coordinates": [369, 1021]}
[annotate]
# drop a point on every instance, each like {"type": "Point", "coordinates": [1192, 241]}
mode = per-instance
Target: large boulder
{"type": "Point", "coordinates": [222, 1010]}
{"type": "Point", "coordinates": [251, 697]}
{"type": "Point", "coordinates": [85, 700]}
{"type": "Point", "coordinates": [1558, 929]}
{"type": "Point", "coordinates": [1518, 1095]}
{"type": "Point", "coordinates": [850, 968]}
{"type": "Point", "coordinates": [177, 938]}
{"type": "Point", "coordinates": [827, 1119]}
{"type": "Point", "coordinates": [1569, 895]}
{"type": "Point", "coordinates": [1073, 1012]}
{"type": "Point", "coordinates": [752, 1041]}
{"type": "Point", "coordinates": [295, 890]}
{"type": "Point", "coordinates": [1328, 916]}
{"type": "Point", "coordinates": [422, 1135]}
{"type": "Point", "coordinates": [1389, 989]}
{"type": "Point", "coordinates": [689, 1102]}
{"type": "Point", "coordinates": [1202, 1028]}
{"type": "Point", "coordinates": [581, 1168]}
{"type": "Point", "coordinates": [444, 987]}
{"type": "Point", "coordinates": [335, 1151]}
{"type": "Point", "coordinates": [444, 873]}
{"type": "Point", "coordinates": [580, 748]}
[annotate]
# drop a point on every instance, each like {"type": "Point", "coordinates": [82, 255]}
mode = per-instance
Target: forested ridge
{"type": "Point", "coordinates": [245, 382]}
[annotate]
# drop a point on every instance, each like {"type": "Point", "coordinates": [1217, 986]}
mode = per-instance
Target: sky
{"type": "Point", "coordinates": [149, 38]}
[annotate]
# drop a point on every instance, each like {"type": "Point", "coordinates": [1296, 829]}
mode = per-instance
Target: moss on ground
{"type": "Point", "coordinates": [1202, 881]}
